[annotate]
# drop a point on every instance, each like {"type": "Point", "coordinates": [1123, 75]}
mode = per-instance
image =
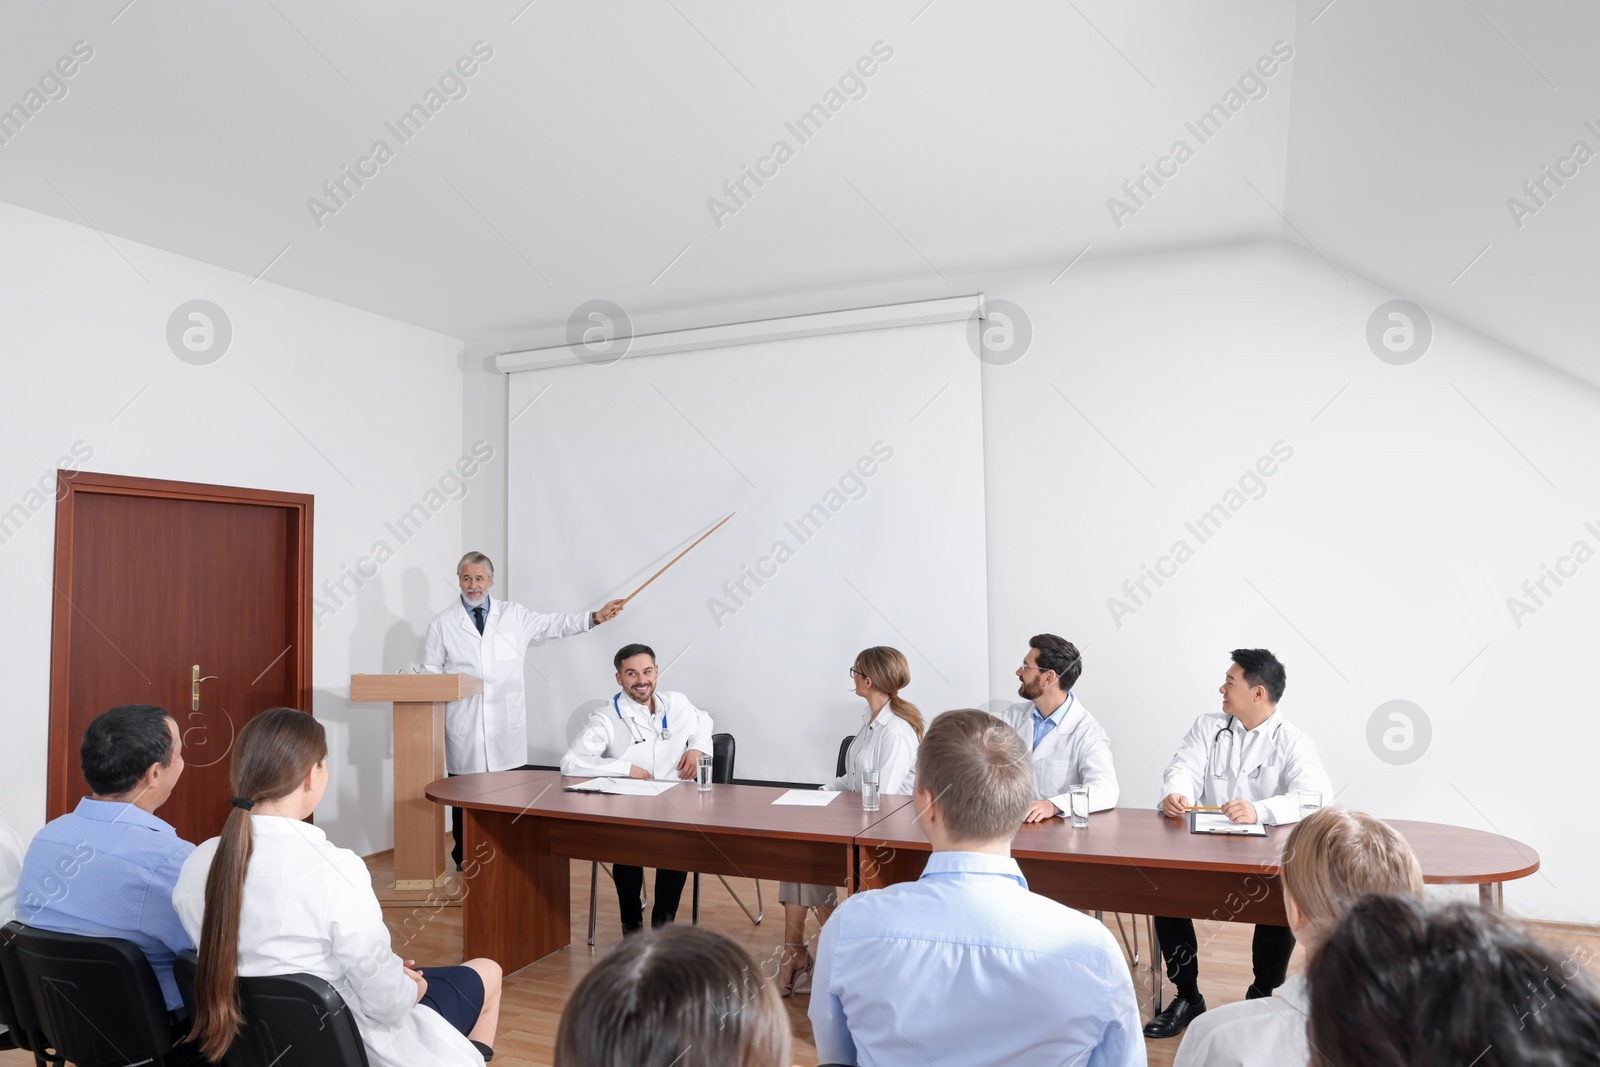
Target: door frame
{"type": "Point", "coordinates": [61, 748]}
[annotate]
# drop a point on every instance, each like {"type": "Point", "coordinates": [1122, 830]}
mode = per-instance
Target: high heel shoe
{"type": "Point", "coordinates": [802, 971]}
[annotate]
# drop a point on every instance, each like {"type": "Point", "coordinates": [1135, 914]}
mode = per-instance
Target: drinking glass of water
{"type": "Point", "coordinates": [1310, 801]}
{"type": "Point", "coordinates": [702, 779]}
{"type": "Point", "coordinates": [869, 790]}
{"type": "Point", "coordinates": [1078, 798]}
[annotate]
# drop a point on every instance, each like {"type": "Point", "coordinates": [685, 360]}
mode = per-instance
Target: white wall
{"type": "Point", "coordinates": [382, 402]}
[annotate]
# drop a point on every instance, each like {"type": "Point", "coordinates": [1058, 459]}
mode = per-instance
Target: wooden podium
{"type": "Point", "coordinates": [419, 700]}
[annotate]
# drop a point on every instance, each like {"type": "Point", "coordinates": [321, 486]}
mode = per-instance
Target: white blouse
{"type": "Point", "coordinates": [1267, 1032]}
{"type": "Point", "coordinates": [887, 744]}
{"type": "Point", "coordinates": [309, 908]}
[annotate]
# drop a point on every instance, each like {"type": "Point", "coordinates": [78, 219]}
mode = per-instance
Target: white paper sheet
{"type": "Point", "coordinates": [1214, 822]}
{"type": "Point", "coordinates": [628, 787]}
{"type": "Point", "coordinates": [807, 798]}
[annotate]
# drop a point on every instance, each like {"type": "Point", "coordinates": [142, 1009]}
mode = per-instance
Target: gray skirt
{"type": "Point", "coordinates": [808, 896]}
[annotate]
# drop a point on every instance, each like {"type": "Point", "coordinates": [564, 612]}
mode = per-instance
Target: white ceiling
{"type": "Point", "coordinates": [579, 162]}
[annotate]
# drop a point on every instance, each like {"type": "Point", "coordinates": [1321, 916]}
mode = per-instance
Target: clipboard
{"type": "Point", "coordinates": [1218, 825]}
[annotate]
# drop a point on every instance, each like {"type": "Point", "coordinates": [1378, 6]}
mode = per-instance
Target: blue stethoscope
{"type": "Point", "coordinates": [634, 729]}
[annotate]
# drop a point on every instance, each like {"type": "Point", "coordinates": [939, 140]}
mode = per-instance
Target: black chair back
{"type": "Point", "coordinates": [16, 1010]}
{"type": "Point", "coordinates": [844, 750]}
{"type": "Point", "coordinates": [722, 753]}
{"type": "Point", "coordinates": [284, 1012]}
{"type": "Point", "coordinates": [95, 999]}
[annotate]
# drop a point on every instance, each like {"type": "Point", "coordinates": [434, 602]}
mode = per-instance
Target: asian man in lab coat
{"type": "Point", "coordinates": [642, 733]}
{"type": "Point", "coordinates": [1248, 761]}
{"type": "Point", "coordinates": [487, 639]}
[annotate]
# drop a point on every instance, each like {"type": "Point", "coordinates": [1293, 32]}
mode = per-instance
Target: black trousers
{"type": "Point", "coordinates": [663, 908]}
{"type": "Point", "coordinates": [1269, 956]}
{"type": "Point", "coordinates": [458, 849]}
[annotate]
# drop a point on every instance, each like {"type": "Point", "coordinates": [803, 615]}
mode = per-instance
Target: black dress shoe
{"type": "Point", "coordinates": [1176, 1019]}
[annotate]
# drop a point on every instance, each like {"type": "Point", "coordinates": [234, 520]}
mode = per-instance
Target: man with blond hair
{"type": "Point", "coordinates": [489, 639]}
{"type": "Point", "coordinates": [1332, 859]}
{"type": "Point", "coordinates": [964, 966]}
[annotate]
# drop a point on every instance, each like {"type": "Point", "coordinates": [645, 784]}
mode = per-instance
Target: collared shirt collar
{"type": "Point", "coordinates": [1267, 728]}
{"type": "Point", "coordinates": [118, 811]}
{"type": "Point", "coordinates": [468, 607]}
{"type": "Point", "coordinates": [1059, 716]}
{"type": "Point", "coordinates": [942, 863]}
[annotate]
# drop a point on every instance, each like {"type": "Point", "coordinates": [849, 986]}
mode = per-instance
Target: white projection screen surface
{"type": "Point", "coordinates": [854, 463]}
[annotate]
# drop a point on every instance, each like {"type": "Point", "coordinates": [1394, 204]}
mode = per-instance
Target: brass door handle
{"type": "Point", "coordinates": [194, 687]}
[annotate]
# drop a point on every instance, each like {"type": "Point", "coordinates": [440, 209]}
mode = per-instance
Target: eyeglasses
{"type": "Point", "coordinates": [1031, 667]}
{"type": "Point", "coordinates": [859, 674]}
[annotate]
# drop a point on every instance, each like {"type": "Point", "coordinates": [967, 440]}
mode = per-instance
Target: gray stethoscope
{"type": "Point", "coordinates": [1219, 768]}
{"type": "Point", "coordinates": [635, 730]}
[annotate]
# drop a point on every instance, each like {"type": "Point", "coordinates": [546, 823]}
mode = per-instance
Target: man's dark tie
{"type": "Point", "coordinates": [477, 617]}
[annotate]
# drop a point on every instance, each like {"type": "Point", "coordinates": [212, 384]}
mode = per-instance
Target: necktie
{"type": "Point", "coordinates": [477, 617]}
{"type": "Point", "coordinates": [1041, 727]}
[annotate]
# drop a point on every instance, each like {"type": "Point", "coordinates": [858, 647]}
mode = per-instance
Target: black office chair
{"type": "Point", "coordinates": [723, 750]}
{"type": "Point", "coordinates": [16, 1007]}
{"type": "Point", "coordinates": [844, 751]}
{"type": "Point", "coordinates": [96, 1000]}
{"type": "Point", "coordinates": [284, 1012]}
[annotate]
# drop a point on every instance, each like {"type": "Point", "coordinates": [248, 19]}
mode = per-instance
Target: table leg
{"type": "Point", "coordinates": [518, 902]}
{"type": "Point", "coordinates": [1155, 966]}
{"type": "Point", "coordinates": [1492, 895]}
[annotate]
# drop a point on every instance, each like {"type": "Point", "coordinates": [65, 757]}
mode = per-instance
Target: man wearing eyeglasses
{"type": "Point", "coordinates": [1250, 764]}
{"type": "Point", "coordinates": [1068, 746]}
{"type": "Point", "coordinates": [641, 733]}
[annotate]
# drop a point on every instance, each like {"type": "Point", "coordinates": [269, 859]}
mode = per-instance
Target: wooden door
{"type": "Point", "coordinates": [156, 579]}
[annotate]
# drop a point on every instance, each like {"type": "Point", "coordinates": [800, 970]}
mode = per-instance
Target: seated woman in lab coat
{"type": "Point", "coordinates": [677, 996]}
{"type": "Point", "coordinates": [273, 896]}
{"type": "Point", "coordinates": [1332, 859]}
{"type": "Point", "coordinates": [885, 743]}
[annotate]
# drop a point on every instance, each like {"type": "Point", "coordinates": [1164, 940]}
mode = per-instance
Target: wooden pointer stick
{"type": "Point", "coordinates": [676, 558]}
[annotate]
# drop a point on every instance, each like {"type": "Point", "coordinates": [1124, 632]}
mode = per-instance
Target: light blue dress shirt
{"type": "Point", "coordinates": [965, 967]}
{"type": "Point", "coordinates": [108, 870]}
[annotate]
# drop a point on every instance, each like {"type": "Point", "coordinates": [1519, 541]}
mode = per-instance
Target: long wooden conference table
{"type": "Point", "coordinates": [522, 830]}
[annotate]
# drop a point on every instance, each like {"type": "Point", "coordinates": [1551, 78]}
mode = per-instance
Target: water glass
{"type": "Point", "coordinates": [869, 790]}
{"type": "Point", "coordinates": [1310, 801]}
{"type": "Point", "coordinates": [1078, 798]}
{"type": "Point", "coordinates": [702, 779]}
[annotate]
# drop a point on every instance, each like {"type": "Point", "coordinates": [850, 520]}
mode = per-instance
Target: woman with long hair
{"type": "Point", "coordinates": [271, 895]}
{"type": "Point", "coordinates": [886, 744]}
{"type": "Point", "coordinates": [676, 996]}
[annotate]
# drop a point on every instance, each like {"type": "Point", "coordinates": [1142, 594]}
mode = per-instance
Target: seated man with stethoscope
{"type": "Point", "coordinates": [1248, 762]}
{"type": "Point", "coordinates": [641, 734]}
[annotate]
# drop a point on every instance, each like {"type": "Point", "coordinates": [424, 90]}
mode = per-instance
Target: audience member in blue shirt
{"type": "Point", "coordinates": [965, 967]}
{"type": "Point", "coordinates": [108, 868]}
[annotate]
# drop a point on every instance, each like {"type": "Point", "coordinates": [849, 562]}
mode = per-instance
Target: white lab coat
{"type": "Point", "coordinates": [1076, 752]}
{"type": "Point", "coordinates": [308, 908]}
{"type": "Point", "coordinates": [1266, 766]}
{"type": "Point", "coordinates": [489, 732]}
{"type": "Point", "coordinates": [888, 744]}
{"type": "Point", "coordinates": [623, 734]}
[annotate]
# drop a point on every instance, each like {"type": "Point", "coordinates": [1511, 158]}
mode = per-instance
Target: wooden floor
{"type": "Point", "coordinates": [534, 996]}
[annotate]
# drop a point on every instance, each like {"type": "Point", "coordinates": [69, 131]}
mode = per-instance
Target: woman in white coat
{"type": "Point", "coordinates": [886, 744]}
{"type": "Point", "coordinates": [273, 896]}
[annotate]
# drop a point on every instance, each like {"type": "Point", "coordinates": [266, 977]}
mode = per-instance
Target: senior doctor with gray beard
{"type": "Point", "coordinates": [487, 638]}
